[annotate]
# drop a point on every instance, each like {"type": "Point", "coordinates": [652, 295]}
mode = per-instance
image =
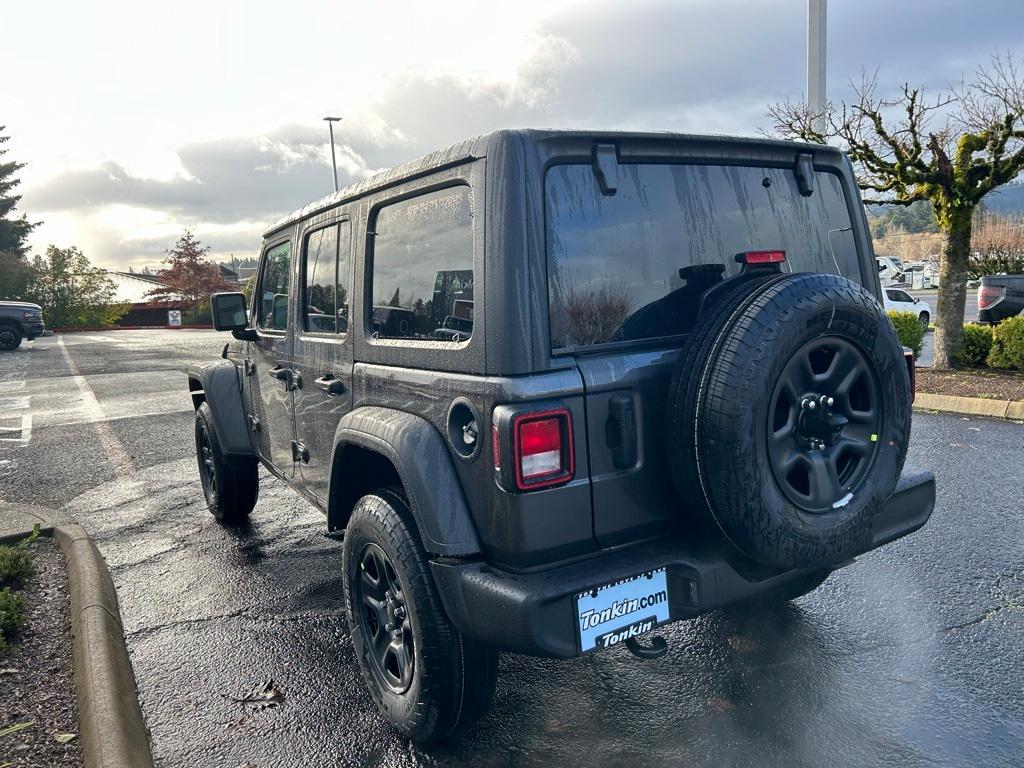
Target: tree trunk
{"type": "Point", "coordinates": [949, 325]}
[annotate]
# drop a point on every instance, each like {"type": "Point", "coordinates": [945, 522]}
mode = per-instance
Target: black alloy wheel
{"type": "Point", "coordinates": [825, 416]}
{"type": "Point", "coordinates": [207, 466]}
{"type": "Point", "coordinates": [10, 339]}
{"type": "Point", "coordinates": [230, 483]}
{"type": "Point", "coordinates": [384, 620]}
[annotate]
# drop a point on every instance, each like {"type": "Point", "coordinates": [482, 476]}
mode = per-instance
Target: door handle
{"type": "Point", "coordinates": [330, 385]}
{"type": "Point", "coordinates": [292, 379]}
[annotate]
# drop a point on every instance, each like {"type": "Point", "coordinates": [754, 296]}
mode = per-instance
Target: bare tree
{"type": "Point", "coordinates": [950, 150]}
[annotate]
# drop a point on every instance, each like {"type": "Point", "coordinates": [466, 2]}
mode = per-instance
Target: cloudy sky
{"type": "Point", "coordinates": [139, 119]}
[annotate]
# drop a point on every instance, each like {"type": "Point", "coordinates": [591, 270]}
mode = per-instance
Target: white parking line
{"type": "Point", "coordinates": [112, 446]}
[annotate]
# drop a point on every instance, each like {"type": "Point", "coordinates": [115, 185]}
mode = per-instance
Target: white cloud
{"type": "Point", "coordinates": [137, 122]}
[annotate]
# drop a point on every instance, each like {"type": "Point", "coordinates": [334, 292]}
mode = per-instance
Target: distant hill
{"type": "Point", "coordinates": [918, 217]}
{"type": "Point", "coordinates": [1009, 198]}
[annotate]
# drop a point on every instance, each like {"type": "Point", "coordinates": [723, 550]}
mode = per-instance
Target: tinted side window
{"type": "Point", "coordinates": [422, 272]}
{"type": "Point", "coordinates": [274, 282]}
{"type": "Point", "coordinates": [633, 265]}
{"type": "Point", "coordinates": [321, 260]}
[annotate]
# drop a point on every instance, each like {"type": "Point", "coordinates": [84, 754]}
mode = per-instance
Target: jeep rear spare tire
{"type": "Point", "coordinates": [790, 417]}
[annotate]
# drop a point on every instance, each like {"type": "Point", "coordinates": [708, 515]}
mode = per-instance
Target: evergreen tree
{"type": "Point", "coordinates": [15, 271]}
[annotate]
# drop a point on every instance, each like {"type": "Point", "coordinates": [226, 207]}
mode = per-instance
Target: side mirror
{"type": "Point", "coordinates": [230, 313]}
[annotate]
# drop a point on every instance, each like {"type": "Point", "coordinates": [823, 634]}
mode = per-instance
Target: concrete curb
{"type": "Point", "coordinates": [112, 731]}
{"type": "Point", "coordinates": [975, 406]}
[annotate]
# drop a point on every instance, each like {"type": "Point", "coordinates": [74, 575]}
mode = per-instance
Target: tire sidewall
{"type": "Point", "coordinates": [204, 422]}
{"type": "Point", "coordinates": [398, 708]}
{"type": "Point", "coordinates": [10, 338]}
{"type": "Point", "coordinates": [763, 522]}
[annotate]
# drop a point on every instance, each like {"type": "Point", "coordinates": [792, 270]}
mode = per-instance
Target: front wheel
{"type": "Point", "coordinates": [230, 483]}
{"type": "Point", "coordinates": [425, 677]}
{"type": "Point", "coordinates": [10, 338]}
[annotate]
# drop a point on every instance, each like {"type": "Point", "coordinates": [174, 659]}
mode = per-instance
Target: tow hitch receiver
{"type": "Point", "coordinates": [655, 650]}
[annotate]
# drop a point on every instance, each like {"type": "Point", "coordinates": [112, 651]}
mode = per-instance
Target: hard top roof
{"type": "Point", "coordinates": [479, 146]}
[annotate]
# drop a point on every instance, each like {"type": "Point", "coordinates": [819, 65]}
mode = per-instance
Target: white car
{"type": "Point", "coordinates": [898, 300]}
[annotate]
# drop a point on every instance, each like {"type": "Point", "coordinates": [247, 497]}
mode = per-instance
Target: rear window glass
{"type": "Point", "coordinates": [632, 265]}
{"type": "Point", "coordinates": [422, 273]}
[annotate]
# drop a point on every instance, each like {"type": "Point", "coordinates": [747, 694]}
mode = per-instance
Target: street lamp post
{"type": "Point", "coordinates": [816, 33]}
{"type": "Point", "coordinates": [334, 163]}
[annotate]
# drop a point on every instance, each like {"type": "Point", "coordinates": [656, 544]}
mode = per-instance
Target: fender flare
{"type": "Point", "coordinates": [220, 385]}
{"type": "Point", "coordinates": [424, 464]}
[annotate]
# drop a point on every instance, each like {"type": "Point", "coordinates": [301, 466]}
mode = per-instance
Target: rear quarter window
{"type": "Point", "coordinates": [422, 272]}
{"type": "Point", "coordinates": [632, 265]}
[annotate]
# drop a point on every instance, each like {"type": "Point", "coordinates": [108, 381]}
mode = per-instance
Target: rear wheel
{"type": "Point", "coordinates": [789, 419]}
{"type": "Point", "coordinates": [230, 483]}
{"type": "Point", "coordinates": [925, 320]}
{"type": "Point", "coordinates": [10, 338]}
{"type": "Point", "coordinates": [425, 677]}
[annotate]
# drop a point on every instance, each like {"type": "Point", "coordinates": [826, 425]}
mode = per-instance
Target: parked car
{"type": "Point", "coordinates": [890, 270]}
{"type": "Point", "coordinates": [898, 300]}
{"type": "Point", "coordinates": [19, 320]}
{"type": "Point", "coordinates": [672, 389]}
{"type": "Point", "coordinates": [1000, 297]}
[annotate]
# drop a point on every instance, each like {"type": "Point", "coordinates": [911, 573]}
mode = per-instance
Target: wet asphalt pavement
{"type": "Point", "coordinates": [913, 656]}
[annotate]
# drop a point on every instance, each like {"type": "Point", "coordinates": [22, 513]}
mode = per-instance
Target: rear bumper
{"type": "Point", "coordinates": [33, 330]}
{"type": "Point", "coordinates": [997, 312]}
{"type": "Point", "coordinates": [535, 613]}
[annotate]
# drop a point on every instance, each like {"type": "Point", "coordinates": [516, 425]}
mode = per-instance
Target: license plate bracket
{"type": "Point", "coordinates": [611, 613]}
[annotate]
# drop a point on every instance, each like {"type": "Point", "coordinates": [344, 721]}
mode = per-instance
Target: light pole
{"type": "Point", "coordinates": [816, 34]}
{"type": "Point", "coordinates": [334, 163]}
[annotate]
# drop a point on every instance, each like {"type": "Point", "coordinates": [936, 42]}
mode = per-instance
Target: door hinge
{"type": "Point", "coordinates": [300, 452]}
{"type": "Point", "coordinates": [254, 423]}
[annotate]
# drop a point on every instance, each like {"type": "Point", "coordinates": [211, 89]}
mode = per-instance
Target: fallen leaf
{"type": "Point", "coordinates": [64, 738]}
{"type": "Point", "coordinates": [9, 671]}
{"type": "Point", "coordinates": [261, 696]}
{"type": "Point", "coordinates": [15, 728]}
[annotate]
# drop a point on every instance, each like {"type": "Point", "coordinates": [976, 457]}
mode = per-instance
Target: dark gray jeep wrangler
{"type": "Point", "coordinates": [560, 388]}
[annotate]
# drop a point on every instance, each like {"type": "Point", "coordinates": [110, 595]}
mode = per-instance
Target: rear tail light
{"type": "Point", "coordinates": [989, 295]}
{"type": "Point", "coordinates": [542, 449]}
{"type": "Point", "coordinates": [761, 257]}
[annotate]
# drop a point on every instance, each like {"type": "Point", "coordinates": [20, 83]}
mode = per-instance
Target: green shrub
{"type": "Point", "coordinates": [12, 614]}
{"type": "Point", "coordinates": [909, 329]}
{"type": "Point", "coordinates": [15, 565]}
{"type": "Point", "coordinates": [1008, 344]}
{"type": "Point", "coordinates": [977, 343]}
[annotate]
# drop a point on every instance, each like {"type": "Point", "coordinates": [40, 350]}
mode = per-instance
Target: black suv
{"type": "Point", "coordinates": [19, 320]}
{"type": "Point", "coordinates": [560, 388]}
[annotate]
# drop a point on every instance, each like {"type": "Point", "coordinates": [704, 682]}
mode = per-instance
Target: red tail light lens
{"type": "Point", "coordinates": [761, 257]}
{"type": "Point", "coordinates": [989, 295]}
{"type": "Point", "coordinates": [542, 444]}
